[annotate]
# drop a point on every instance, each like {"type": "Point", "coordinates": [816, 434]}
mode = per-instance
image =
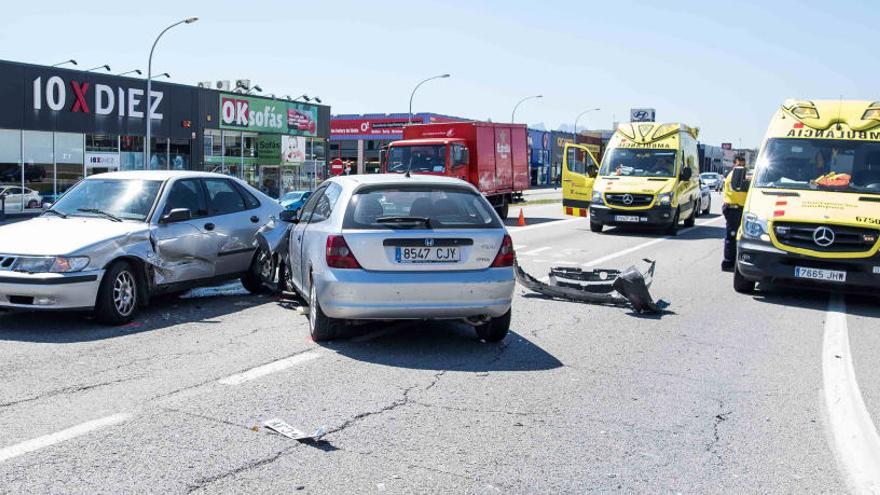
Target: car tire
{"type": "Point", "coordinates": [741, 284]}
{"type": "Point", "coordinates": [32, 204]}
{"type": "Point", "coordinates": [708, 207]}
{"type": "Point", "coordinates": [260, 273]}
{"type": "Point", "coordinates": [692, 220]}
{"type": "Point", "coordinates": [596, 227]}
{"type": "Point", "coordinates": [321, 327]}
{"type": "Point", "coordinates": [118, 295]}
{"type": "Point", "coordinates": [672, 229]}
{"type": "Point", "coordinates": [496, 328]}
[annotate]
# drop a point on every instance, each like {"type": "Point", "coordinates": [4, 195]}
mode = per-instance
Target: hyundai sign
{"type": "Point", "coordinates": [642, 115]}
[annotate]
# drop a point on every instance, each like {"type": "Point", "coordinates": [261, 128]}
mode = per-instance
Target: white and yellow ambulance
{"type": "Point", "coordinates": [812, 213]}
{"type": "Point", "coordinates": [649, 177]}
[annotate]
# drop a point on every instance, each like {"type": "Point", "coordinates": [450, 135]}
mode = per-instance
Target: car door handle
{"type": "Point", "coordinates": [255, 219]}
{"type": "Point", "coordinates": [209, 226]}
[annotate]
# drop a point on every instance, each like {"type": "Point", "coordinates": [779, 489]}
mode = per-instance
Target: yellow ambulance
{"type": "Point", "coordinates": [812, 213]}
{"type": "Point", "coordinates": [649, 176]}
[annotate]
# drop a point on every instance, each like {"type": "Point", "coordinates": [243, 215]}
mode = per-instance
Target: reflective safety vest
{"type": "Point", "coordinates": [731, 197]}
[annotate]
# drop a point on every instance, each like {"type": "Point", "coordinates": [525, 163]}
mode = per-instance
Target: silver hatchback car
{"type": "Point", "coordinates": [389, 247]}
{"type": "Point", "coordinates": [115, 239]}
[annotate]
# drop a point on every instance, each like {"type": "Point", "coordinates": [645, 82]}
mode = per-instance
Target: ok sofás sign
{"type": "Point", "coordinates": [57, 95]}
{"type": "Point", "coordinates": [241, 112]}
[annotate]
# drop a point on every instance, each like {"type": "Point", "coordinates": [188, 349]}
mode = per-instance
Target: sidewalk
{"type": "Point", "coordinates": [542, 192]}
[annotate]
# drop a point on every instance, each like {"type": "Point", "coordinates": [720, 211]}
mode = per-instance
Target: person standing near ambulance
{"type": "Point", "coordinates": [734, 202]}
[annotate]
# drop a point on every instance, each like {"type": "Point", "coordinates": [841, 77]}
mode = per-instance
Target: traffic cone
{"type": "Point", "coordinates": [522, 219]}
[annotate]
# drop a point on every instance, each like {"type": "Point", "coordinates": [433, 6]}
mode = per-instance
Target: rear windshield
{"type": "Point", "coordinates": [419, 208]}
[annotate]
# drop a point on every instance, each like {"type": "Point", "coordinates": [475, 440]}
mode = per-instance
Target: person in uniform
{"type": "Point", "coordinates": [732, 208]}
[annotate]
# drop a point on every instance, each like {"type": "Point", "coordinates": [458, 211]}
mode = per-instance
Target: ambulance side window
{"type": "Point", "coordinates": [577, 160]}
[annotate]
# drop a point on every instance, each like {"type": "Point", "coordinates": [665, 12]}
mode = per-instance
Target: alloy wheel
{"type": "Point", "coordinates": [124, 293]}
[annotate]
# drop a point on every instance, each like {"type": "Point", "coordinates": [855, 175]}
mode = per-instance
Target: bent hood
{"type": "Point", "coordinates": [53, 236]}
{"type": "Point", "coordinates": [854, 209]}
{"type": "Point", "coordinates": [643, 185]}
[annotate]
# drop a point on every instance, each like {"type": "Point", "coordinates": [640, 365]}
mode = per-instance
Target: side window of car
{"type": "Point", "coordinates": [223, 197]}
{"type": "Point", "coordinates": [250, 201]}
{"type": "Point", "coordinates": [309, 207]}
{"type": "Point", "coordinates": [187, 193]}
{"type": "Point", "coordinates": [324, 205]}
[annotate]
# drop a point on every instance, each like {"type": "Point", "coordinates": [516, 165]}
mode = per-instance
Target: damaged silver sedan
{"type": "Point", "coordinates": [114, 240]}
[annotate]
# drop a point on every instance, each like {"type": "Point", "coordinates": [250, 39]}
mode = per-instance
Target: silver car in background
{"type": "Point", "coordinates": [389, 247]}
{"type": "Point", "coordinates": [115, 239]}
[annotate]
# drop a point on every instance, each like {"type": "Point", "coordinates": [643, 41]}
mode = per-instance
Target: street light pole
{"type": "Point", "coordinates": [188, 20]}
{"type": "Point", "coordinates": [441, 76]}
{"type": "Point", "coordinates": [579, 118]}
{"type": "Point", "coordinates": [520, 102]}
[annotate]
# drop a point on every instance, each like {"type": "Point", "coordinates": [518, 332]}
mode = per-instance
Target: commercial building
{"type": "Point", "coordinates": [539, 157]}
{"type": "Point", "coordinates": [59, 125]}
{"type": "Point", "coordinates": [356, 139]}
{"type": "Point", "coordinates": [558, 140]}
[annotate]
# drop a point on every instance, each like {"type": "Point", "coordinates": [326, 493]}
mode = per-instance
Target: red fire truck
{"type": "Point", "coordinates": [492, 157]}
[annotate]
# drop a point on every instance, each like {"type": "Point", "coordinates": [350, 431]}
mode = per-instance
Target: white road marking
{"type": "Point", "coordinates": [856, 442]}
{"type": "Point", "coordinates": [38, 443]}
{"type": "Point", "coordinates": [561, 221]}
{"type": "Point", "coordinates": [536, 251]}
{"type": "Point", "coordinates": [273, 367]}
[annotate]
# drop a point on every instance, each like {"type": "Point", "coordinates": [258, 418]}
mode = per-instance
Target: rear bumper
{"type": "Point", "coordinates": [761, 262]}
{"type": "Point", "coordinates": [359, 294]}
{"type": "Point", "coordinates": [49, 291]}
{"type": "Point", "coordinates": [655, 216]}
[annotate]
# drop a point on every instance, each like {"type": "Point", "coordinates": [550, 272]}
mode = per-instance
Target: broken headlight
{"type": "Point", "coordinates": [51, 264]}
{"type": "Point", "coordinates": [754, 227]}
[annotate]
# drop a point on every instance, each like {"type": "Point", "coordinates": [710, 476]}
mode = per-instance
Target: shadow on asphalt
{"type": "Point", "coordinates": [806, 297]}
{"type": "Point", "coordinates": [163, 312]}
{"type": "Point", "coordinates": [513, 220]}
{"type": "Point", "coordinates": [442, 346]}
{"type": "Point", "coordinates": [703, 232]}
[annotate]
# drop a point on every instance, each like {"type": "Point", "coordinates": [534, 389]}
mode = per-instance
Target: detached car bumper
{"type": "Point", "coordinates": [49, 291]}
{"type": "Point", "coordinates": [762, 262]}
{"type": "Point", "coordinates": [655, 216]}
{"type": "Point", "coordinates": [360, 294]}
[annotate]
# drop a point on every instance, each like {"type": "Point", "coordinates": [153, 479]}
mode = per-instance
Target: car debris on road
{"type": "Point", "coordinates": [598, 286]}
{"type": "Point", "coordinates": [283, 428]}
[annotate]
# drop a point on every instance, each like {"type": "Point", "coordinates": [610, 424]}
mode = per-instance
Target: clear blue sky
{"type": "Point", "coordinates": [724, 67]}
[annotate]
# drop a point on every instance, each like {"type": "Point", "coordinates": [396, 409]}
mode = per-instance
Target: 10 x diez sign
{"type": "Point", "coordinates": [256, 114]}
{"type": "Point", "coordinates": [59, 95]}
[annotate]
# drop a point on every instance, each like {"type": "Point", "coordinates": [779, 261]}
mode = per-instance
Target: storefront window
{"type": "Point", "coordinates": [69, 156]}
{"type": "Point", "coordinates": [10, 168]}
{"type": "Point", "coordinates": [213, 150]}
{"type": "Point", "coordinates": [39, 168]}
{"type": "Point", "coordinates": [159, 154]}
{"type": "Point", "coordinates": [102, 143]}
{"type": "Point", "coordinates": [231, 153]}
{"type": "Point", "coordinates": [179, 151]}
{"type": "Point", "coordinates": [132, 156]}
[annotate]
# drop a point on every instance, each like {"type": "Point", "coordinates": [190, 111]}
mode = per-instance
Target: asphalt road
{"type": "Point", "coordinates": [725, 393]}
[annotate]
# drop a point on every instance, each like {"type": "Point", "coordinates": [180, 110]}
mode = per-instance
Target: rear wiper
{"type": "Point", "coordinates": [55, 212]}
{"type": "Point", "coordinates": [402, 220]}
{"type": "Point", "coordinates": [103, 213]}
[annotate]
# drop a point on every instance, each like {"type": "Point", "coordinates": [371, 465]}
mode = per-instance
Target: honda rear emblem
{"type": "Point", "coordinates": [627, 199]}
{"type": "Point", "coordinates": [429, 242]}
{"type": "Point", "coordinates": [823, 236]}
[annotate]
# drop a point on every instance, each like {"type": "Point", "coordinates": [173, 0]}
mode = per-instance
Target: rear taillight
{"type": "Point", "coordinates": [339, 254]}
{"type": "Point", "coordinates": [506, 255]}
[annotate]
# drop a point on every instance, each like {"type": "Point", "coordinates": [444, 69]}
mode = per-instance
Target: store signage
{"type": "Point", "coordinates": [58, 95]}
{"type": "Point", "coordinates": [372, 127]}
{"type": "Point", "coordinates": [293, 149]}
{"type": "Point", "coordinates": [108, 160]}
{"type": "Point", "coordinates": [264, 115]}
{"type": "Point", "coordinates": [302, 119]}
{"type": "Point", "coordinates": [642, 115]}
{"type": "Point", "coordinates": [727, 146]}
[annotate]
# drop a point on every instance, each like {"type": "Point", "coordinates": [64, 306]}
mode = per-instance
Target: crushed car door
{"type": "Point", "coordinates": [579, 172]}
{"type": "Point", "coordinates": [295, 253]}
{"type": "Point", "coordinates": [186, 248]}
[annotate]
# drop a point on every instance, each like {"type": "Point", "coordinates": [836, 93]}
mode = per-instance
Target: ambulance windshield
{"type": "Point", "coordinates": [820, 164]}
{"type": "Point", "coordinates": [632, 162]}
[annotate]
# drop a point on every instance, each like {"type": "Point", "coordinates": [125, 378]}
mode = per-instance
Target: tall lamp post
{"type": "Point", "coordinates": [441, 76]}
{"type": "Point", "coordinates": [579, 118]}
{"type": "Point", "coordinates": [520, 102]}
{"type": "Point", "coordinates": [147, 146]}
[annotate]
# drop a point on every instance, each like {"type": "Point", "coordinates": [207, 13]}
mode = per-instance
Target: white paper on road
{"type": "Point", "coordinates": [281, 427]}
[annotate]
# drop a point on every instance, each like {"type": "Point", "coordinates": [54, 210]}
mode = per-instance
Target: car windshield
{"type": "Point", "coordinates": [709, 176]}
{"type": "Point", "coordinates": [293, 196]}
{"type": "Point", "coordinates": [634, 162]}
{"type": "Point", "coordinates": [417, 159]}
{"type": "Point", "coordinates": [127, 199]}
{"type": "Point", "coordinates": [813, 164]}
{"type": "Point", "coordinates": [419, 207]}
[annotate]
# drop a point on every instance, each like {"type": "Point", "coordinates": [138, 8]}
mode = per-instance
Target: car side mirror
{"type": "Point", "coordinates": [177, 215]}
{"type": "Point", "coordinates": [47, 206]}
{"type": "Point", "coordinates": [289, 216]}
{"type": "Point", "coordinates": [686, 173]}
{"type": "Point", "coordinates": [592, 171]}
{"type": "Point", "coordinates": [738, 180]}
{"type": "Point", "coordinates": [465, 157]}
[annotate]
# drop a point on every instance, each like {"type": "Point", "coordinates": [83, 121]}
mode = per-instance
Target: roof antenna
{"type": "Point", "coordinates": [839, 111]}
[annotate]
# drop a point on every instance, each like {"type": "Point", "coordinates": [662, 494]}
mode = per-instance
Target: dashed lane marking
{"type": "Point", "coordinates": [44, 441]}
{"type": "Point", "coordinates": [854, 435]}
{"type": "Point", "coordinates": [273, 367]}
{"type": "Point", "coordinates": [536, 251]}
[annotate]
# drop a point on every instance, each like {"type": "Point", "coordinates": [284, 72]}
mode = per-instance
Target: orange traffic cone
{"type": "Point", "coordinates": [522, 219]}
